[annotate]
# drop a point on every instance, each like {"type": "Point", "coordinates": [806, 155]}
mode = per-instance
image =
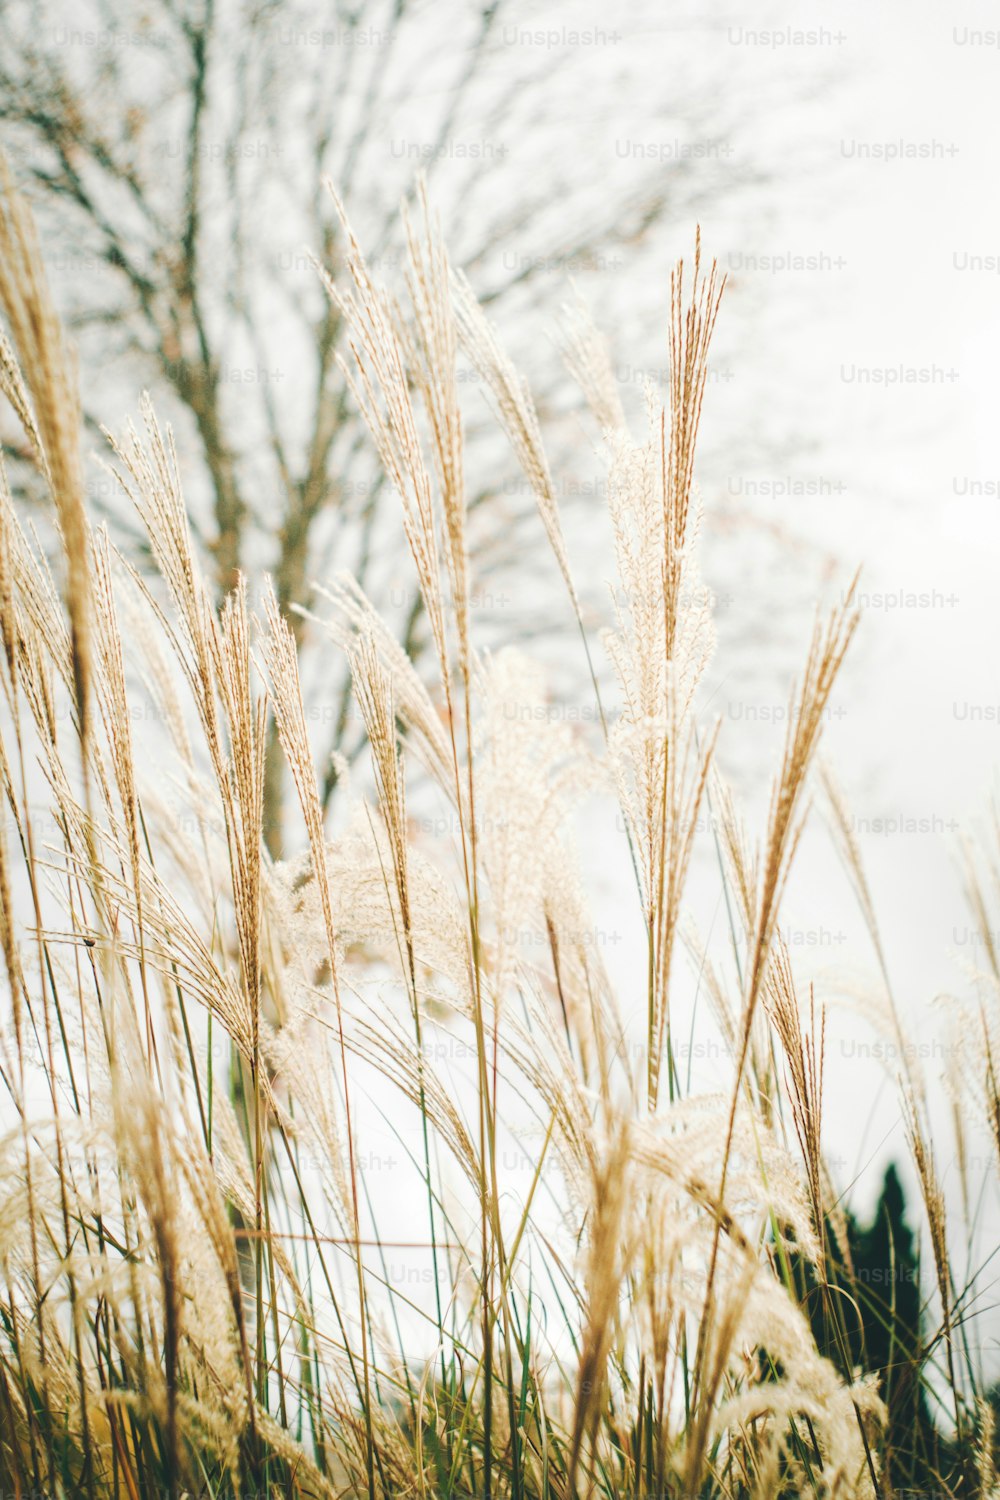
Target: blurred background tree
{"type": "Point", "coordinates": [875, 1273]}
{"type": "Point", "coordinates": [175, 152]}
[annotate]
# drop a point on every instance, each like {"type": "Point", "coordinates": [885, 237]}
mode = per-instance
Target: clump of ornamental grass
{"type": "Point", "coordinates": [199, 1288]}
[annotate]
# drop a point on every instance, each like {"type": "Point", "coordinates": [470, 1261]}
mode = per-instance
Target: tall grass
{"type": "Point", "coordinates": [199, 1274]}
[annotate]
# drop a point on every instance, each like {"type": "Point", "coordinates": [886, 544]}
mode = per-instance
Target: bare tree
{"type": "Point", "coordinates": [176, 152]}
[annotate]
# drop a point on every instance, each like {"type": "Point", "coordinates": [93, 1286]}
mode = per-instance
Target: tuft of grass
{"type": "Point", "coordinates": [199, 1266]}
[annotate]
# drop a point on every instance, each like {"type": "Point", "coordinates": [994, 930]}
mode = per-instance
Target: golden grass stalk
{"type": "Point", "coordinates": [40, 384]}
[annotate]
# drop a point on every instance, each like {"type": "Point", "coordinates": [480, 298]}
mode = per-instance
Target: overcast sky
{"type": "Point", "coordinates": [858, 426]}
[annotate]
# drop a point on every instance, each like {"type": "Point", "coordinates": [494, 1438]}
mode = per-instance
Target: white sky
{"type": "Point", "coordinates": [905, 747]}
